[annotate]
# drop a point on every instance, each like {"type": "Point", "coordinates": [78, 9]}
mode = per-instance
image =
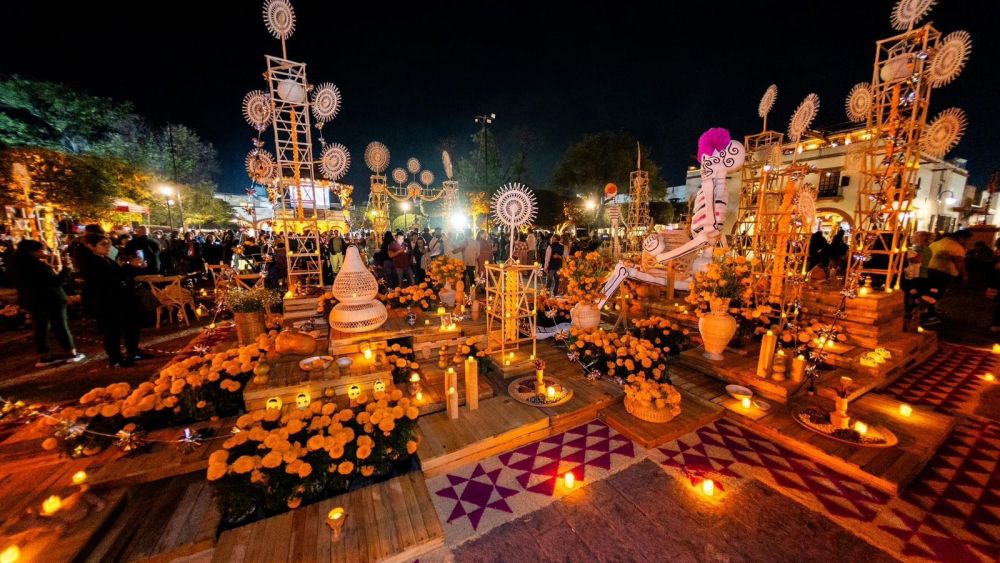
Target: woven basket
{"type": "Point", "coordinates": [248, 326]}
{"type": "Point", "coordinates": [650, 413]}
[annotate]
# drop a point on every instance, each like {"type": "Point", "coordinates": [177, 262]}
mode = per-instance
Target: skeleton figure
{"type": "Point", "coordinates": [719, 155]}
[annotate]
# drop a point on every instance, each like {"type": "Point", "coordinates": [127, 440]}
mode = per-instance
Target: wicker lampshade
{"type": "Point", "coordinates": [358, 317]}
{"type": "Point", "coordinates": [354, 285]}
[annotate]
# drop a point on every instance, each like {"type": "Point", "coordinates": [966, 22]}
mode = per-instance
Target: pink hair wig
{"type": "Point", "coordinates": [715, 139]}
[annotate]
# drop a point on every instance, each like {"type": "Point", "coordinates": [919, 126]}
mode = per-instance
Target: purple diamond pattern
{"type": "Point", "coordinates": [589, 451]}
{"type": "Point", "coordinates": [475, 494]}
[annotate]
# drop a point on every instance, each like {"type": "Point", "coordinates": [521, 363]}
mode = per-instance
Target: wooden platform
{"type": "Point", "coordinates": [390, 521]}
{"type": "Point", "coordinates": [432, 386]}
{"type": "Point", "coordinates": [741, 370]}
{"type": "Point", "coordinates": [501, 423]}
{"type": "Point", "coordinates": [695, 413]}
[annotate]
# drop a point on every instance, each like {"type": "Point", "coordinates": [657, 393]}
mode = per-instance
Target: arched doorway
{"type": "Point", "coordinates": [831, 218]}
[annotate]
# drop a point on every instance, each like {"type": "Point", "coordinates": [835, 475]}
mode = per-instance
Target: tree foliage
{"type": "Point", "coordinates": [82, 152]}
{"type": "Point", "coordinates": [600, 158]}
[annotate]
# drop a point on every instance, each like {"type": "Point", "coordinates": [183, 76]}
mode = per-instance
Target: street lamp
{"type": "Point", "coordinates": [950, 200]}
{"type": "Point", "coordinates": [484, 120]}
{"type": "Point", "coordinates": [170, 220]}
{"type": "Point", "coordinates": [406, 207]}
{"type": "Point", "coordinates": [168, 190]}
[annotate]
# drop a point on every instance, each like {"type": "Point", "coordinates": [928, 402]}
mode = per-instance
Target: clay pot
{"type": "Point", "coordinates": [585, 315]}
{"type": "Point", "coordinates": [717, 329]}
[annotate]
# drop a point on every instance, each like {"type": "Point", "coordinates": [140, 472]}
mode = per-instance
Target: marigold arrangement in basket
{"type": "Point", "coordinates": [651, 400]}
{"type": "Point", "coordinates": [277, 461]}
{"type": "Point", "coordinates": [420, 296]}
{"type": "Point", "coordinates": [618, 355]}
{"type": "Point", "coordinates": [727, 280]}
{"type": "Point", "coordinates": [444, 270]}
{"type": "Point", "coordinates": [195, 388]}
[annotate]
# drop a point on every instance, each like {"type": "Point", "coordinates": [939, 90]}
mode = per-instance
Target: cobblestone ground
{"type": "Point", "coordinates": [644, 514]}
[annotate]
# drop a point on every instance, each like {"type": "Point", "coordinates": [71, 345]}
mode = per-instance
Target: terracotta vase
{"type": "Point", "coordinates": [717, 329]}
{"type": "Point", "coordinates": [249, 326]}
{"type": "Point", "coordinates": [585, 315]}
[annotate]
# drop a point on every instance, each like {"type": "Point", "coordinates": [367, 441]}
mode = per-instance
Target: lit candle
{"type": "Point", "coordinates": [861, 428]}
{"type": "Point", "coordinates": [366, 351]}
{"type": "Point", "coordinates": [79, 478]}
{"type": "Point", "coordinates": [51, 505]}
{"type": "Point", "coordinates": [798, 368]}
{"type": "Point", "coordinates": [905, 410]}
{"type": "Point", "coordinates": [569, 479]}
{"type": "Point", "coordinates": [335, 519]}
{"type": "Point", "coordinates": [11, 554]}
{"type": "Point", "coordinates": [551, 392]}
{"type": "Point", "coordinates": [862, 291]}
{"type": "Point", "coordinates": [989, 377]}
{"type": "Point", "coordinates": [472, 383]}
{"type": "Point", "coordinates": [708, 487]}
{"type": "Point", "coordinates": [414, 377]}
{"type": "Point", "coordinates": [766, 360]}
{"type": "Point", "coordinates": [920, 329]}
{"type": "Point", "coordinates": [996, 348]}
{"type": "Point", "coordinates": [420, 396]}
{"type": "Point", "coordinates": [441, 311]}
{"type": "Point", "coordinates": [745, 402]}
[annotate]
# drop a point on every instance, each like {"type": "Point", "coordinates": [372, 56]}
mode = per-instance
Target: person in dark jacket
{"type": "Point", "coordinates": [40, 291]}
{"type": "Point", "coordinates": [112, 299]}
{"type": "Point", "coordinates": [146, 249]}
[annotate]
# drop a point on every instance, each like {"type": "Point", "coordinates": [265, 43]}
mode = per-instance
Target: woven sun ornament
{"type": "Point", "coordinates": [803, 117]}
{"type": "Point", "coordinates": [279, 17]}
{"type": "Point", "coordinates": [859, 102]}
{"type": "Point", "coordinates": [908, 13]}
{"type": "Point", "coordinates": [949, 58]}
{"type": "Point", "coordinates": [326, 102]}
{"type": "Point", "coordinates": [335, 161]}
{"type": "Point", "coordinates": [260, 166]}
{"type": "Point", "coordinates": [449, 170]}
{"type": "Point", "coordinates": [257, 109]}
{"type": "Point", "coordinates": [767, 100]}
{"type": "Point", "coordinates": [513, 205]}
{"type": "Point", "coordinates": [944, 132]}
{"type": "Point", "coordinates": [413, 165]}
{"type": "Point", "coordinates": [399, 176]}
{"type": "Point", "coordinates": [427, 177]}
{"type": "Point", "coordinates": [377, 157]}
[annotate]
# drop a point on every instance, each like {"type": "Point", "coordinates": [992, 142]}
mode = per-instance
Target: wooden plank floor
{"type": "Point", "coordinates": [391, 521]}
{"type": "Point", "coordinates": [695, 413]}
{"type": "Point", "coordinates": [160, 522]}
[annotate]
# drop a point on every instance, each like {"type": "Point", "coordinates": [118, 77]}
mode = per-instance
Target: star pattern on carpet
{"type": "Point", "coordinates": [722, 446]}
{"type": "Point", "coordinates": [587, 450]}
{"type": "Point", "coordinates": [949, 381]}
{"type": "Point", "coordinates": [475, 494]}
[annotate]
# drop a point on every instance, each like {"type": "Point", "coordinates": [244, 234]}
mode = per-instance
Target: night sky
{"type": "Point", "coordinates": [415, 76]}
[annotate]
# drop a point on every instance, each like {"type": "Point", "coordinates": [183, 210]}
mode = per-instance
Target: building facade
{"type": "Point", "coordinates": [944, 200]}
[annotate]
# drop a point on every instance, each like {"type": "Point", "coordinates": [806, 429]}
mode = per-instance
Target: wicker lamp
{"type": "Point", "coordinates": [355, 288]}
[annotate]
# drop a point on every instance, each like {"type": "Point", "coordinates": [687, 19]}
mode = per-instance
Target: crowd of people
{"type": "Point", "coordinates": [102, 268]}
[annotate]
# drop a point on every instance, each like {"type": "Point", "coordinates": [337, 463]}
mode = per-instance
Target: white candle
{"type": "Point", "coordinates": [51, 505]}
{"type": "Point", "coordinates": [766, 359]}
{"type": "Point", "coordinates": [798, 368]}
{"type": "Point", "coordinates": [745, 402]}
{"type": "Point", "coordinates": [905, 410]}
{"type": "Point", "coordinates": [472, 383]}
{"type": "Point", "coordinates": [861, 428]}
{"type": "Point", "coordinates": [452, 403]}
{"type": "Point", "coordinates": [569, 479]}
